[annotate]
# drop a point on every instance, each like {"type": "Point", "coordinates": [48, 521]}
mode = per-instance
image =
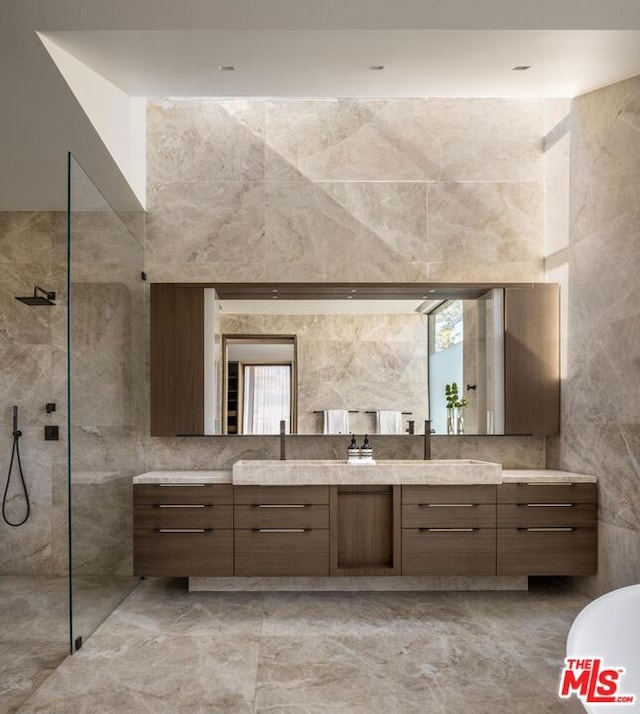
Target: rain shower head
{"type": "Point", "coordinates": [46, 298]}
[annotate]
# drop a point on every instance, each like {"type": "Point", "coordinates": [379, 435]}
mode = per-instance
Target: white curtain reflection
{"type": "Point", "coordinates": [266, 398]}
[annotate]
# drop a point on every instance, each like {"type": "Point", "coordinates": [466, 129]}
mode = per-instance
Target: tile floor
{"type": "Point", "coordinates": [34, 626]}
{"type": "Point", "coordinates": [167, 650]}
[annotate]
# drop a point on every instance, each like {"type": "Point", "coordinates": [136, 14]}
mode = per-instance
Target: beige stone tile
{"type": "Point", "coordinates": [486, 139]}
{"type": "Point", "coordinates": [396, 212]}
{"type": "Point", "coordinates": [165, 608]}
{"type": "Point", "coordinates": [26, 236]}
{"type": "Point", "coordinates": [225, 219]}
{"type": "Point", "coordinates": [205, 140]}
{"type": "Point", "coordinates": [389, 672]}
{"type": "Point", "coordinates": [485, 222]}
{"type": "Point", "coordinates": [513, 452]}
{"type": "Point", "coordinates": [485, 272]}
{"type": "Point", "coordinates": [185, 674]}
{"type": "Point", "coordinates": [605, 157]}
{"type": "Point", "coordinates": [25, 667]}
{"type": "Point", "coordinates": [603, 266]}
{"type": "Point", "coordinates": [347, 140]}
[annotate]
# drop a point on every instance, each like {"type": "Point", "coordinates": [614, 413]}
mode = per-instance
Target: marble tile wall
{"type": "Point", "coordinates": [600, 411]}
{"type": "Point", "coordinates": [357, 362]}
{"type": "Point", "coordinates": [220, 452]}
{"type": "Point", "coordinates": [344, 190]}
{"type": "Point", "coordinates": [32, 373]}
{"type": "Point", "coordinates": [341, 190]}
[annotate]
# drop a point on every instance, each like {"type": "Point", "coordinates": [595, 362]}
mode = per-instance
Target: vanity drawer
{"type": "Point", "coordinates": [274, 553]}
{"type": "Point", "coordinates": [548, 493]}
{"type": "Point", "coordinates": [525, 515]}
{"type": "Point", "coordinates": [421, 495]}
{"type": "Point", "coordinates": [448, 551]}
{"type": "Point", "coordinates": [570, 551]}
{"type": "Point", "coordinates": [208, 494]}
{"type": "Point", "coordinates": [434, 515]}
{"type": "Point", "coordinates": [182, 516]}
{"type": "Point", "coordinates": [208, 553]}
{"type": "Point", "coordinates": [285, 495]}
{"type": "Point", "coordinates": [282, 516]}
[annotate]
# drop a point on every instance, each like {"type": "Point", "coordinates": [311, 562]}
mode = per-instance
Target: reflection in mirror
{"type": "Point", "coordinates": [466, 348]}
{"type": "Point", "coordinates": [259, 388]}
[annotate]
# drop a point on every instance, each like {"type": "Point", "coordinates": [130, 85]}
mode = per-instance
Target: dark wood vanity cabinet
{"type": "Point", "coordinates": [448, 530]}
{"type": "Point", "coordinates": [183, 531]}
{"type": "Point", "coordinates": [532, 360]}
{"type": "Point", "coordinates": [281, 530]}
{"type": "Point", "coordinates": [222, 530]}
{"type": "Point", "coordinates": [547, 529]}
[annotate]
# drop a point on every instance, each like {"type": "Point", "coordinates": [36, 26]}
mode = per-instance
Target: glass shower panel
{"type": "Point", "coordinates": [106, 382]}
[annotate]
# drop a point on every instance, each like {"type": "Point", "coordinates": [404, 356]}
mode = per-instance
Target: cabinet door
{"type": "Point", "coordinates": [448, 551]}
{"type": "Point", "coordinates": [281, 552]}
{"type": "Point", "coordinates": [177, 360]}
{"type": "Point", "coordinates": [532, 360]}
{"type": "Point", "coordinates": [547, 551]}
{"type": "Point", "coordinates": [189, 552]}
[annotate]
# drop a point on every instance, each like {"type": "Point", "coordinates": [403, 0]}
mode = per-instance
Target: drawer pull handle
{"type": "Point", "coordinates": [364, 493]}
{"type": "Point", "coordinates": [547, 505]}
{"type": "Point", "coordinates": [448, 530]}
{"type": "Point", "coordinates": [448, 505]}
{"type": "Point", "coordinates": [280, 530]}
{"type": "Point", "coordinates": [548, 483]}
{"type": "Point", "coordinates": [183, 505]}
{"type": "Point", "coordinates": [280, 505]}
{"type": "Point", "coordinates": [188, 485]}
{"type": "Point", "coordinates": [547, 530]}
{"type": "Point", "coordinates": [184, 530]}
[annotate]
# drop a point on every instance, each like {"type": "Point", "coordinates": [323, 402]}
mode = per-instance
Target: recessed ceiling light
{"type": "Point", "coordinates": [274, 290]}
{"type": "Point", "coordinates": [354, 290]}
{"type": "Point", "coordinates": [274, 297]}
{"type": "Point", "coordinates": [376, 67]}
{"type": "Point", "coordinates": [521, 67]}
{"type": "Point", "coordinates": [349, 297]}
{"type": "Point", "coordinates": [226, 68]}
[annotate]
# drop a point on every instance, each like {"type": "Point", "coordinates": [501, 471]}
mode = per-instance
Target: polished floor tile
{"type": "Point", "coordinates": [167, 650]}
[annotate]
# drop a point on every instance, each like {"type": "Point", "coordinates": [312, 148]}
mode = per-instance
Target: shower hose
{"type": "Point", "coordinates": [15, 455]}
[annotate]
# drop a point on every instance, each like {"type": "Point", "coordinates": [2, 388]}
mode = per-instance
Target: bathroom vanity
{"type": "Point", "coordinates": [274, 519]}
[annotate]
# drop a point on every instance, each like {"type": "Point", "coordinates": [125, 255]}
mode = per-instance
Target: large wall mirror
{"type": "Point", "coordinates": [361, 358]}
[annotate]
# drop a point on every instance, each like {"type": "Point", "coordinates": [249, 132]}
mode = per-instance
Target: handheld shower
{"type": "Point", "coordinates": [15, 455]}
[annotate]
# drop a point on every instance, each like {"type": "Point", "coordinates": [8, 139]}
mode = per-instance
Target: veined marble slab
{"type": "Point", "coordinates": [269, 472]}
{"type": "Point", "coordinates": [361, 584]}
{"type": "Point", "coordinates": [177, 477]}
{"type": "Point", "coordinates": [545, 476]}
{"type": "Point", "coordinates": [392, 472]}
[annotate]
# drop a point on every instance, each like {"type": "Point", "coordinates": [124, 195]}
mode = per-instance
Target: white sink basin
{"type": "Point", "coordinates": [305, 472]}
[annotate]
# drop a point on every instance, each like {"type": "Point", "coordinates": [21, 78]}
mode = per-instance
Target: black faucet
{"type": "Point", "coordinates": [427, 440]}
{"type": "Point", "coordinates": [282, 440]}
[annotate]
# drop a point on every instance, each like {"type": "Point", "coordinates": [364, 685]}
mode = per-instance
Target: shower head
{"type": "Point", "coordinates": [46, 298]}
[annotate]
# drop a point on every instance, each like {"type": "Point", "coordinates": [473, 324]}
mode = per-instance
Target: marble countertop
{"type": "Point", "coordinates": [544, 476]}
{"type": "Point", "coordinates": [221, 476]}
{"type": "Point", "coordinates": [271, 473]}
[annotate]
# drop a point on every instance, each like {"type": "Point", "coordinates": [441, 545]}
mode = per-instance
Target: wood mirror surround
{"type": "Point", "coordinates": [532, 344]}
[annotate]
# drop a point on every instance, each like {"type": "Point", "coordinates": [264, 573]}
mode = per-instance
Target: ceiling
{"type": "Point", "coordinates": [417, 63]}
{"type": "Point", "coordinates": [281, 48]}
